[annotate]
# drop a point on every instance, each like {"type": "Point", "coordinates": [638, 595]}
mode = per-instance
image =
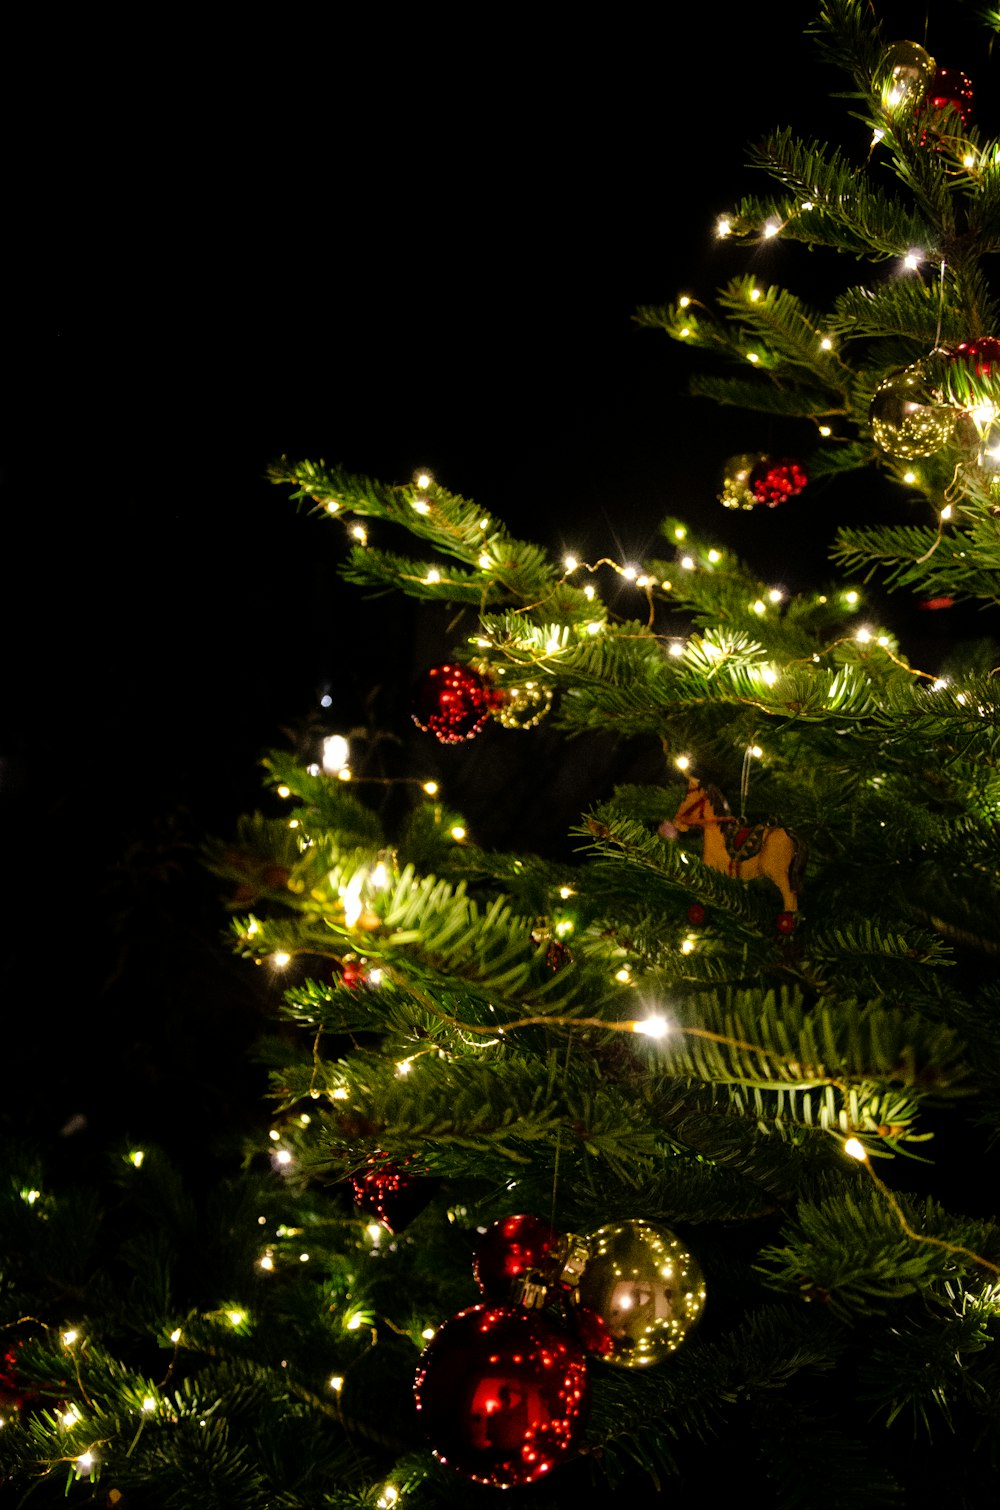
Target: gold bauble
{"type": "Point", "coordinates": [909, 417]}
{"type": "Point", "coordinates": [645, 1287]}
{"type": "Point", "coordinates": [907, 71]}
{"type": "Point", "coordinates": [736, 493]}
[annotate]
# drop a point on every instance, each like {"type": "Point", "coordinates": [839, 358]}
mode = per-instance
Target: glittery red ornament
{"type": "Point", "coordinates": [353, 974]}
{"type": "Point", "coordinates": [772, 481]}
{"type": "Point", "coordinates": [696, 914]}
{"type": "Point", "coordinates": [389, 1194]}
{"type": "Point", "coordinates": [981, 356]}
{"type": "Point", "coordinates": [502, 1395]}
{"type": "Point", "coordinates": [512, 1247]}
{"type": "Point", "coordinates": [453, 703]}
{"type": "Point", "coordinates": [946, 108]}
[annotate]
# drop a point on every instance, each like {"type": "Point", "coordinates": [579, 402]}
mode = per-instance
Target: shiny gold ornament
{"type": "Point", "coordinates": [645, 1287]}
{"type": "Point", "coordinates": [524, 707]}
{"type": "Point", "coordinates": [736, 492]}
{"type": "Point", "coordinates": [907, 71]}
{"type": "Point", "coordinates": [909, 417]}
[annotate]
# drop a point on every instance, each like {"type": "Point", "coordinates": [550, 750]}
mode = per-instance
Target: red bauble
{"type": "Point", "coordinates": [502, 1395]}
{"type": "Point", "coordinates": [353, 974]}
{"type": "Point", "coordinates": [388, 1193]}
{"type": "Point", "coordinates": [949, 94]}
{"type": "Point", "coordinates": [453, 703]}
{"type": "Point", "coordinates": [772, 481]}
{"type": "Point", "coordinates": [785, 922]}
{"type": "Point", "coordinates": [982, 356]}
{"type": "Point", "coordinates": [557, 955]}
{"type": "Point", "coordinates": [512, 1247]}
{"type": "Point", "coordinates": [696, 914]}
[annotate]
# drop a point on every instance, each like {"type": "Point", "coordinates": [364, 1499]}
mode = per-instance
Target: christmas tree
{"type": "Point", "coordinates": [660, 1158]}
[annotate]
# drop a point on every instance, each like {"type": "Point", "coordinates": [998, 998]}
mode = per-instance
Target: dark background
{"type": "Point", "coordinates": [390, 244]}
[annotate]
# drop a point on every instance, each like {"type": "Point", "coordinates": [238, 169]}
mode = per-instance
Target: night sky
{"type": "Point", "coordinates": [390, 245]}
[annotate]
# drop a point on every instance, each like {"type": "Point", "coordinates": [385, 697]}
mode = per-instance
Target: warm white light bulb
{"type": "Point", "coordinates": [458, 833]}
{"type": "Point", "coordinates": [431, 788]}
{"type": "Point", "coordinates": [676, 648]}
{"type": "Point", "coordinates": [433, 575]}
{"type": "Point", "coordinates": [652, 1027]}
{"type": "Point", "coordinates": [682, 762]}
{"type": "Point", "coordinates": [856, 1150]}
{"type": "Point", "coordinates": [281, 959]}
{"type": "Point", "coordinates": [570, 563]}
{"type": "Point", "coordinates": [423, 480]}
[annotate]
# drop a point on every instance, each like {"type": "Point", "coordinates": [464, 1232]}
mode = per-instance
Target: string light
{"type": "Point", "coordinates": [676, 648]}
{"type": "Point", "coordinates": [428, 1332]}
{"type": "Point", "coordinates": [826, 344]}
{"type": "Point", "coordinates": [623, 974]}
{"type": "Point", "coordinates": [825, 431]}
{"type": "Point", "coordinates": [912, 260]}
{"type": "Point", "coordinates": [687, 562]}
{"type": "Point", "coordinates": [387, 1498]}
{"type": "Point", "coordinates": [283, 790]}
{"type": "Point", "coordinates": [149, 1405]}
{"type": "Point", "coordinates": [652, 1027]}
{"type": "Point", "coordinates": [688, 946]}
{"type": "Point", "coordinates": [433, 575]}
{"type": "Point", "coordinates": [910, 478]}
{"type": "Point", "coordinates": [570, 563]}
{"type": "Point", "coordinates": [175, 1335]}
{"type": "Point", "coordinates": [360, 534]}
{"type": "Point", "coordinates": [714, 556]}
{"type": "Point", "coordinates": [771, 229]}
{"type": "Point", "coordinates": [236, 1318]}
{"type": "Point", "coordinates": [266, 1263]}
{"type": "Point", "coordinates": [684, 301]}
{"type": "Point", "coordinates": [136, 1157]}
{"type": "Point", "coordinates": [431, 788]}
{"type": "Point", "coordinates": [280, 960]}
{"type": "Point", "coordinates": [458, 833]}
{"type": "Point", "coordinates": [421, 506]}
{"type": "Point", "coordinates": [68, 1338]}
{"type": "Point", "coordinates": [759, 607]}
{"type": "Point", "coordinates": [337, 1383]}
{"type": "Point", "coordinates": [331, 505]}
{"type": "Point", "coordinates": [768, 676]}
{"type": "Point", "coordinates": [336, 752]}
{"type": "Point", "coordinates": [775, 595]}
{"type": "Point", "coordinates": [755, 294]}
{"type": "Point", "coordinates": [855, 1149]}
{"type": "Point", "coordinates": [29, 1197]}
{"type": "Point", "coordinates": [753, 357]}
{"type": "Point", "coordinates": [485, 561]}
{"type": "Point", "coordinates": [589, 592]}
{"type": "Point", "coordinates": [424, 480]}
{"type": "Point", "coordinates": [682, 762]}
{"type": "Point", "coordinates": [84, 1464]}
{"type": "Point", "coordinates": [722, 226]}
{"type": "Point", "coordinates": [852, 598]}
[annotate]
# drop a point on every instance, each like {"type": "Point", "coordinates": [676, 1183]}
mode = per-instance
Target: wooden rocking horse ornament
{"type": "Point", "coordinates": [742, 849]}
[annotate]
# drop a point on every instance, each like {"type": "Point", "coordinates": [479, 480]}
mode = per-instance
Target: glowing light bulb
{"type": "Point", "coordinates": [360, 534]}
{"type": "Point", "coordinates": [566, 891]}
{"type": "Point", "coordinates": [630, 573]}
{"type": "Point", "coordinates": [912, 260]}
{"type": "Point", "coordinates": [570, 563]}
{"type": "Point", "coordinates": [136, 1157]}
{"type": "Point", "coordinates": [594, 627]}
{"type": "Point", "coordinates": [826, 344]}
{"type": "Point", "coordinates": [714, 556]}
{"type": "Point", "coordinates": [175, 1335]}
{"type": "Point", "coordinates": [969, 160]}
{"type": "Point", "coordinates": [352, 1323]}
{"type": "Point", "coordinates": [755, 294]}
{"type": "Point", "coordinates": [336, 752]}
{"type": "Point", "coordinates": [590, 592]}
{"type": "Point", "coordinates": [855, 1150]}
{"type": "Point", "coordinates": [424, 480]}
{"type": "Point", "coordinates": [303, 1258]}
{"type": "Point", "coordinates": [403, 1066]}
{"type": "Point", "coordinates": [756, 751]}
{"type": "Point", "coordinates": [686, 331]}
{"type": "Point", "coordinates": [337, 1383]}
{"type": "Point", "coordinates": [852, 598]}
{"type": "Point", "coordinates": [768, 676]}
{"type": "Point", "coordinates": [687, 562]}
{"type": "Point", "coordinates": [283, 790]}
{"type": "Point", "coordinates": [687, 946]}
{"type": "Point", "coordinates": [458, 833]}
{"type": "Point", "coordinates": [85, 1463]}
{"type": "Point", "coordinates": [759, 607]}
{"type": "Point", "coordinates": [68, 1338]}
{"type": "Point", "coordinates": [684, 301]}
{"type": "Point", "coordinates": [30, 1196]}
{"type": "Point", "coordinates": [622, 974]}
{"type": "Point", "coordinates": [485, 561]}
{"type": "Point", "coordinates": [676, 648]}
{"type": "Point", "coordinates": [653, 1027]}
{"type": "Point", "coordinates": [149, 1404]}
{"type": "Point", "coordinates": [431, 788]}
{"type": "Point", "coordinates": [775, 595]}
{"type": "Point", "coordinates": [282, 1156]}
{"type": "Point", "coordinates": [433, 575]}
{"type": "Point", "coordinates": [331, 505]}
{"type": "Point", "coordinates": [281, 959]}
{"type": "Point", "coordinates": [70, 1417]}
{"type": "Point", "coordinates": [380, 876]}
{"type": "Point", "coordinates": [428, 1332]}
{"type": "Point", "coordinates": [753, 358]}
{"type": "Point", "coordinates": [682, 762]}
{"type": "Point", "coordinates": [266, 1263]}
{"type": "Point", "coordinates": [722, 226]}
{"type": "Point", "coordinates": [909, 478]}
{"type": "Point", "coordinates": [421, 506]}
{"type": "Point", "coordinates": [825, 431]}
{"type": "Point", "coordinates": [374, 1231]}
{"type": "Point", "coordinates": [771, 229]}
{"type": "Point", "coordinates": [236, 1318]}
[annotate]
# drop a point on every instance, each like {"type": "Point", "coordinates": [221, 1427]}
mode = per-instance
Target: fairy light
{"type": "Point", "coordinates": [864, 635]}
{"type": "Point", "coordinates": [433, 575]}
{"type": "Point", "coordinates": [149, 1405]}
{"type": "Point", "coordinates": [771, 229]}
{"type": "Point", "coordinates": [852, 598]}
{"type": "Point", "coordinates": [424, 480]}
{"type": "Point", "coordinates": [775, 595]}
{"type": "Point", "coordinates": [380, 876]}
{"type": "Point", "coordinates": [388, 1497]}
{"type": "Point", "coordinates": [682, 762]}
{"type": "Point", "coordinates": [137, 1157]}
{"type": "Point", "coordinates": [85, 1463]}
{"type": "Point", "coordinates": [676, 648]}
{"type": "Point", "coordinates": [431, 788]}
{"type": "Point", "coordinates": [458, 833]}
{"type": "Point", "coordinates": [825, 431]}
{"type": "Point", "coordinates": [652, 1027]}
{"type": "Point", "coordinates": [570, 563]}
{"type": "Point", "coordinates": [176, 1334]}
{"type": "Point", "coordinates": [687, 946]}
{"type": "Point", "coordinates": [909, 478]}
{"type": "Point", "coordinates": [826, 344]}
{"type": "Point", "coordinates": [282, 1156]}
{"type": "Point", "coordinates": [590, 592]}
{"type": "Point", "coordinates": [759, 607]}
{"type": "Point", "coordinates": [680, 533]}
{"type": "Point", "coordinates": [29, 1197]}
{"type": "Point", "coordinates": [623, 974]}
{"type": "Point", "coordinates": [68, 1338]}
{"type": "Point", "coordinates": [686, 331]}
{"type": "Point", "coordinates": [552, 644]}
{"type": "Point", "coordinates": [629, 573]}
{"type": "Point", "coordinates": [339, 1093]}
{"type": "Point", "coordinates": [714, 556]}
{"type": "Point", "coordinates": [723, 226]}
{"type": "Point", "coordinates": [303, 1258]}
{"type": "Point", "coordinates": [353, 1322]}
{"type": "Point", "coordinates": [877, 135]}
{"type": "Point", "coordinates": [969, 160]}
{"type": "Point", "coordinates": [266, 1263]}
{"type": "Point", "coordinates": [684, 301]}
{"type": "Point", "coordinates": [566, 891]}
{"type": "Point", "coordinates": [331, 505]}
{"type": "Point", "coordinates": [336, 1383]}
{"type": "Point", "coordinates": [236, 1318]}
{"type": "Point", "coordinates": [403, 1066]}
{"type": "Point", "coordinates": [283, 790]}
{"type": "Point", "coordinates": [855, 1149]}
{"type": "Point", "coordinates": [336, 752]}
{"type": "Point", "coordinates": [984, 414]}
{"type": "Point", "coordinates": [594, 627]}
{"type": "Point", "coordinates": [293, 823]}
{"type": "Point", "coordinates": [883, 640]}
{"type": "Point", "coordinates": [374, 1231]}
{"type": "Point", "coordinates": [753, 358]}
{"type": "Point", "coordinates": [421, 506]}
{"type": "Point", "coordinates": [912, 260]}
{"type": "Point", "coordinates": [360, 534]}
{"type": "Point", "coordinates": [70, 1416]}
{"type": "Point", "coordinates": [281, 960]}
{"type": "Point", "coordinates": [768, 676]}
{"type": "Point", "coordinates": [754, 295]}
{"type": "Point", "coordinates": [756, 752]}
{"type": "Point", "coordinates": [687, 562]}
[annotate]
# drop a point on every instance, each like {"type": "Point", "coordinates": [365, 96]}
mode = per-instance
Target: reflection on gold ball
{"type": "Point", "coordinates": [647, 1289]}
{"type": "Point", "coordinates": [907, 71]}
{"type": "Point", "coordinates": [909, 417]}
